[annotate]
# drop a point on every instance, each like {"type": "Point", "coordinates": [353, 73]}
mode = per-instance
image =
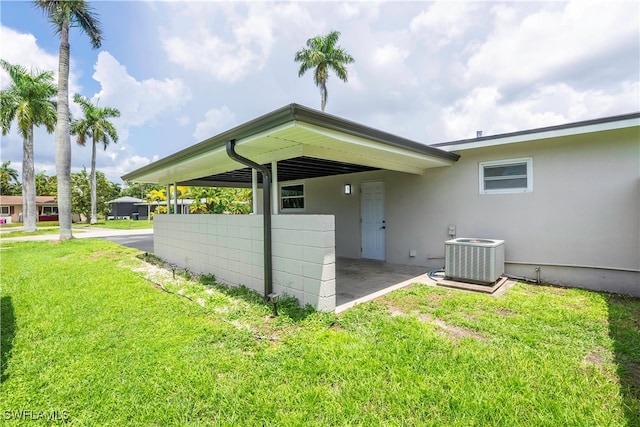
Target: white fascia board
{"type": "Point", "coordinates": [364, 143]}
{"type": "Point", "coordinates": [543, 134]}
{"type": "Point", "coordinates": [265, 134]}
{"type": "Point", "coordinates": [192, 168]}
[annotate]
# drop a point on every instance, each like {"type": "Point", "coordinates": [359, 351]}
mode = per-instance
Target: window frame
{"type": "Point", "coordinates": [7, 213]}
{"type": "Point", "coordinates": [282, 198]}
{"type": "Point", "coordinates": [528, 161]}
{"type": "Point", "coordinates": [50, 208]}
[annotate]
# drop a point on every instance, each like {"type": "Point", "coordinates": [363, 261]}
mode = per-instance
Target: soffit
{"type": "Point", "coordinates": [340, 142]}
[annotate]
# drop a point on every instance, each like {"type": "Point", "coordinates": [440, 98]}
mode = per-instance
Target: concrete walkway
{"type": "Point", "coordinates": [362, 280]}
{"type": "Point", "coordinates": [81, 233]}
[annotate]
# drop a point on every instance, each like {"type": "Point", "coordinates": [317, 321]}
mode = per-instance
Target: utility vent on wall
{"type": "Point", "coordinates": [474, 260]}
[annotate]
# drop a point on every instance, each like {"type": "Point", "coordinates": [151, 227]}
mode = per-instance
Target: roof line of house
{"type": "Point", "coordinates": [547, 129]}
{"type": "Point", "coordinates": [292, 112]}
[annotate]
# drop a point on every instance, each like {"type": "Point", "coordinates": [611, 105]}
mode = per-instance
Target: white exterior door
{"type": "Point", "coordinates": [372, 220]}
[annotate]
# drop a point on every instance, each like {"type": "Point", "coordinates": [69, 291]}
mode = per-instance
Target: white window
{"type": "Point", "coordinates": [506, 176]}
{"type": "Point", "coordinates": [5, 210]}
{"type": "Point", "coordinates": [49, 210]}
{"type": "Point", "coordinates": [292, 197]}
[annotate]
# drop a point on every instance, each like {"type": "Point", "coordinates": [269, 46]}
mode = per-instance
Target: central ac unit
{"type": "Point", "coordinates": [474, 260]}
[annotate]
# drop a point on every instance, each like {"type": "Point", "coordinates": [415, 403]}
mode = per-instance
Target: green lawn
{"type": "Point", "coordinates": [88, 331]}
{"type": "Point", "coordinates": [38, 224]}
{"type": "Point", "coordinates": [120, 224]}
{"type": "Point", "coordinates": [24, 233]}
{"type": "Point", "coordinates": [35, 233]}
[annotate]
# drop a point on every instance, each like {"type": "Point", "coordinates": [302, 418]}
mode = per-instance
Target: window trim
{"type": "Point", "coordinates": [49, 208]}
{"type": "Point", "coordinates": [304, 197]}
{"type": "Point", "coordinates": [528, 161]}
{"type": "Point", "coordinates": [8, 208]}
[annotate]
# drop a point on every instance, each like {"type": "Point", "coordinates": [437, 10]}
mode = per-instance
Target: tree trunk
{"type": "Point", "coordinates": [63, 138]}
{"type": "Point", "coordinates": [323, 95]}
{"type": "Point", "coordinates": [94, 196]}
{"type": "Point", "coordinates": [28, 184]}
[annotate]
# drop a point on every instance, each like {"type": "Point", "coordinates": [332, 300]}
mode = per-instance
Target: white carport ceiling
{"type": "Point", "coordinates": [309, 140]}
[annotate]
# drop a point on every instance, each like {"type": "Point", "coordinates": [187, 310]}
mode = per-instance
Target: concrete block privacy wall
{"type": "Point", "coordinates": [231, 248]}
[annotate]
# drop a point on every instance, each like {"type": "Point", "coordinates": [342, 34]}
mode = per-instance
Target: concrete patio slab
{"type": "Point", "coordinates": [362, 280]}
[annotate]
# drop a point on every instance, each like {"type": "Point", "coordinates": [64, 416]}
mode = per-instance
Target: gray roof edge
{"type": "Point", "coordinates": [292, 112]}
{"type": "Point", "coordinates": [126, 199]}
{"type": "Point", "coordinates": [317, 118]}
{"type": "Point", "coordinates": [601, 120]}
{"type": "Point", "coordinates": [259, 124]}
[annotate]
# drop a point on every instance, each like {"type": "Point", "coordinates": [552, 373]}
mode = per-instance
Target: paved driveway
{"type": "Point", "coordinates": [139, 239]}
{"type": "Point", "coordinates": [144, 242]}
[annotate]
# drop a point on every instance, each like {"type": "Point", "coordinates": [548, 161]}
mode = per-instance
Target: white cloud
{"type": "Point", "coordinates": [204, 49]}
{"type": "Point", "coordinates": [183, 120]}
{"type": "Point", "coordinates": [360, 10]}
{"type": "Point", "coordinates": [215, 121]}
{"type": "Point", "coordinates": [549, 105]}
{"type": "Point", "coordinates": [443, 22]}
{"type": "Point", "coordinates": [355, 82]}
{"type": "Point", "coordinates": [550, 42]}
{"type": "Point", "coordinates": [387, 63]}
{"type": "Point", "coordinates": [234, 45]}
{"type": "Point", "coordinates": [139, 102]}
{"type": "Point", "coordinates": [125, 161]}
{"type": "Point", "coordinates": [389, 55]}
{"type": "Point", "coordinates": [349, 10]}
{"type": "Point", "coordinates": [22, 48]}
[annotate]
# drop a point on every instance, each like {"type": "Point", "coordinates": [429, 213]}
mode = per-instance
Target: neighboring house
{"type": "Point", "coordinates": [123, 207]}
{"type": "Point", "coordinates": [147, 208]}
{"type": "Point", "coordinates": [11, 208]}
{"type": "Point", "coordinates": [130, 207]}
{"type": "Point", "coordinates": [566, 199]}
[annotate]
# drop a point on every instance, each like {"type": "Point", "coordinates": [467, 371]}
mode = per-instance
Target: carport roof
{"type": "Point", "coordinates": [306, 143]}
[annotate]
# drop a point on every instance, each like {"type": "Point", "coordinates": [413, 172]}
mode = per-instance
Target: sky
{"type": "Point", "coordinates": [183, 71]}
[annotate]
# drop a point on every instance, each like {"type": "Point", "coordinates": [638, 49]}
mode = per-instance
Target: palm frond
{"type": "Point", "coordinates": [77, 13]}
{"type": "Point", "coordinates": [95, 123]}
{"type": "Point", "coordinates": [89, 22]}
{"type": "Point", "coordinates": [27, 100]}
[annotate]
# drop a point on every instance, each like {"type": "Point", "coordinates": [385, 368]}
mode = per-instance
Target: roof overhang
{"type": "Point", "coordinates": [307, 142]}
{"type": "Point", "coordinates": [613, 123]}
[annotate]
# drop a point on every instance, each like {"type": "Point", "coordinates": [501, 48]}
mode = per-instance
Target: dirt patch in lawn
{"type": "Point", "coordinates": [594, 358]}
{"type": "Point", "coordinates": [506, 313]}
{"type": "Point", "coordinates": [451, 330]}
{"type": "Point", "coordinates": [634, 378]}
{"type": "Point", "coordinates": [396, 311]}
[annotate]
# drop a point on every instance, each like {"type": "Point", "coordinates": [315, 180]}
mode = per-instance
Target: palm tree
{"type": "Point", "coordinates": [8, 179]}
{"type": "Point", "coordinates": [28, 101]}
{"type": "Point", "coordinates": [322, 54]}
{"type": "Point", "coordinates": [157, 195]}
{"type": "Point", "coordinates": [96, 125]}
{"type": "Point", "coordinates": [64, 14]}
{"type": "Point", "coordinates": [41, 183]}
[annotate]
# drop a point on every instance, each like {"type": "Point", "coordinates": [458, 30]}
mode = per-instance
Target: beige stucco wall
{"type": "Point", "coordinates": [15, 211]}
{"type": "Point", "coordinates": [584, 210]}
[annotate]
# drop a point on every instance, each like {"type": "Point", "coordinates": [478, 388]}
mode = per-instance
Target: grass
{"type": "Point", "coordinates": [34, 233]}
{"type": "Point", "coordinates": [112, 340]}
{"type": "Point", "coordinates": [38, 224]}
{"type": "Point", "coordinates": [120, 224]}
{"type": "Point", "coordinates": [77, 227]}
